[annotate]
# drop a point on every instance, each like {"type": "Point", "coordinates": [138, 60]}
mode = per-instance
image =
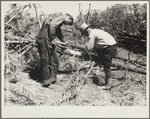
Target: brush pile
{"type": "Point", "coordinates": [77, 79]}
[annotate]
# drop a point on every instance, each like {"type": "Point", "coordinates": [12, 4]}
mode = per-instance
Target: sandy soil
{"type": "Point", "coordinates": [22, 87]}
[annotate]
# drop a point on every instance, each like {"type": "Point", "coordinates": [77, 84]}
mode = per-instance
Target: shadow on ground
{"type": "Point", "coordinates": [96, 79]}
{"type": "Point", "coordinates": [34, 74]}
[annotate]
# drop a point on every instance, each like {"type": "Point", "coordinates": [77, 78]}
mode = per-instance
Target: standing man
{"type": "Point", "coordinates": [51, 28]}
{"type": "Point", "coordinates": [105, 46]}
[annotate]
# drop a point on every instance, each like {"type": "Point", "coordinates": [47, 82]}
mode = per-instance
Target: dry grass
{"type": "Point", "coordinates": [129, 89]}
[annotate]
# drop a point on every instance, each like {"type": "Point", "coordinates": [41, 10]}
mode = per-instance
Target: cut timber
{"type": "Point", "coordinates": [16, 42]}
{"type": "Point", "coordinates": [129, 67]}
{"type": "Point", "coordinates": [69, 52]}
{"type": "Point", "coordinates": [74, 52]}
{"type": "Point", "coordinates": [138, 62]}
{"type": "Point", "coordinates": [17, 39]}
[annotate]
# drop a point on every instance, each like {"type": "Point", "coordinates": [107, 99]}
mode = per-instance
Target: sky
{"type": "Point", "coordinates": [71, 7]}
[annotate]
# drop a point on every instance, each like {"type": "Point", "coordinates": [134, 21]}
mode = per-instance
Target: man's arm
{"type": "Point", "coordinates": [89, 45]}
{"type": "Point", "coordinates": [59, 34]}
{"type": "Point", "coordinates": [91, 42]}
{"type": "Point", "coordinates": [54, 26]}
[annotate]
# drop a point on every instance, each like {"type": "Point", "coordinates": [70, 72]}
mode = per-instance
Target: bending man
{"type": "Point", "coordinates": [105, 46]}
{"type": "Point", "coordinates": [49, 31]}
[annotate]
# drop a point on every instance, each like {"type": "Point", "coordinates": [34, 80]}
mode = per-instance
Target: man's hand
{"type": "Point", "coordinates": [38, 41]}
{"type": "Point", "coordinates": [84, 52]}
{"type": "Point", "coordinates": [67, 44]}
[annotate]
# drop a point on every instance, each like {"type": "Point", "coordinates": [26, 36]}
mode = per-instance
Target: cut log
{"type": "Point", "coordinates": [17, 39]}
{"type": "Point", "coordinates": [69, 52]}
{"type": "Point", "coordinates": [138, 62]}
{"type": "Point", "coordinates": [16, 42]}
{"type": "Point", "coordinates": [129, 67]}
{"type": "Point", "coordinates": [65, 50]}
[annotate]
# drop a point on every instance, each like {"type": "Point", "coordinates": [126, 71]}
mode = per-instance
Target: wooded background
{"type": "Point", "coordinates": [126, 23]}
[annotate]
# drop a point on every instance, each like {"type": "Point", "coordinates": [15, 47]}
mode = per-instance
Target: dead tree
{"type": "Point", "coordinates": [80, 11]}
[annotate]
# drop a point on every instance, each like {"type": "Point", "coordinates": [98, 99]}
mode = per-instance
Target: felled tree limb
{"type": "Point", "coordinates": [16, 14]}
{"type": "Point", "coordinates": [17, 42]}
{"type": "Point", "coordinates": [86, 75]}
{"type": "Point", "coordinates": [72, 52]}
{"type": "Point", "coordinates": [37, 15]}
{"type": "Point", "coordinates": [17, 39]}
{"type": "Point", "coordinates": [88, 15]}
{"type": "Point", "coordinates": [129, 67]}
{"type": "Point", "coordinates": [20, 31]}
{"type": "Point", "coordinates": [81, 14]}
{"type": "Point", "coordinates": [24, 48]}
{"type": "Point", "coordinates": [70, 81]}
{"type": "Point", "coordinates": [138, 62]}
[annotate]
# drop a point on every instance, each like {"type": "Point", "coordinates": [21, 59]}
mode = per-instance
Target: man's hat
{"type": "Point", "coordinates": [83, 28]}
{"type": "Point", "coordinates": [70, 17]}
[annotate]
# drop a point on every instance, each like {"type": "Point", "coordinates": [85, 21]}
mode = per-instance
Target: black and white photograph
{"type": "Point", "coordinates": [76, 58]}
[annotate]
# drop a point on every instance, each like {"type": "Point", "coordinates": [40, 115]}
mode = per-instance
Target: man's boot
{"type": "Point", "coordinates": [54, 73]}
{"type": "Point", "coordinates": [51, 78]}
{"type": "Point", "coordinates": [107, 84]}
{"type": "Point", "coordinates": [101, 81]}
{"type": "Point", "coordinates": [46, 75]}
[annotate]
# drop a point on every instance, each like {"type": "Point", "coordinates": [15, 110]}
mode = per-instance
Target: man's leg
{"type": "Point", "coordinates": [99, 59]}
{"type": "Point", "coordinates": [55, 64]}
{"type": "Point", "coordinates": [45, 49]}
{"type": "Point", "coordinates": [108, 54]}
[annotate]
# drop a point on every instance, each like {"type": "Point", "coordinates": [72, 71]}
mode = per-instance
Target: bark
{"type": "Point", "coordinates": [62, 49]}
{"type": "Point", "coordinates": [37, 15]}
{"type": "Point", "coordinates": [128, 67]}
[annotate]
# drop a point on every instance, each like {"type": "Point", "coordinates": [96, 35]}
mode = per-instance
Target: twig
{"type": "Point", "coordinates": [22, 95]}
{"type": "Point", "coordinates": [88, 15]}
{"type": "Point", "coordinates": [81, 14]}
{"type": "Point", "coordinates": [74, 38]}
{"type": "Point", "coordinates": [86, 76]}
{"type": "Point", "coordinates": [16, 14]}
{"type": "Point", "coordinates": [69, 81]}
{"type": "Point", "coordinates": [37, 15]}
{"type": "Point", "coordinates": [92, 65]}
{"type": "Point", "coordinates": [20, 31]}
{"type": "Point", "coordinates": [24, 48]}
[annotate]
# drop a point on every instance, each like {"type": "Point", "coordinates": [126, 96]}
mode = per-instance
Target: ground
{"type": "Point", "coordinates": [22, 86]}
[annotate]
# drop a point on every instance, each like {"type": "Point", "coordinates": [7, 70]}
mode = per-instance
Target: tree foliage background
{"type": "Point", "coordinates": [127, 23]}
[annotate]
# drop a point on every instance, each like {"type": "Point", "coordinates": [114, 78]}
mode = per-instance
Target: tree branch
{"type": "Point", "coordinates": [37, 15]}
{"type": "Point", "coordinates": [88, 15]}
{"type": "Point", "coordinates": [81, 14]}
{"type": "Point", "coordinates": [16, 14]}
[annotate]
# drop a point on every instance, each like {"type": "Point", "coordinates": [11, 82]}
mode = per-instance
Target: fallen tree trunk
{"type": "Point", "coordinates": [79, 47]}
{"type": "Point", "coordinates": [72, 52]}
{"type": "Point", "coordinates": [139, 70]}
{"type": "Point", "coordinates": [138, 62]}
{"type": "Point", "coordinates": [129, 67]}
{"type": "Point", "coordinates": [116, 57]}
{"type": "Point", "coordinates": [16, 39]}
{"type": "Point", "coordinates": [117, 64]}
{"type": "Point", "coordinates": [17, 42]}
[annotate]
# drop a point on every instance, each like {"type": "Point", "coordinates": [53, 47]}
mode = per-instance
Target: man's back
{"type": "Point", "coordinates": [102, 37]}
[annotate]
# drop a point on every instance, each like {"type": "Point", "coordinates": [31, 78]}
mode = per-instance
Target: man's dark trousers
{"type": "Point", "coordinates": [105, 56]}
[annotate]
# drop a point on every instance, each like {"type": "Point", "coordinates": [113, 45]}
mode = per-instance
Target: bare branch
{"type": "Point", "coordinates": [88, 15]}
{"type": "Point", "coordinates": [37, 15]}
{"type": "Point", "coordinates": [81, 14]}
{"type": "Point", "coordinates": [20, 31]}
{"type": "Point", "coordinates": [16, 14]}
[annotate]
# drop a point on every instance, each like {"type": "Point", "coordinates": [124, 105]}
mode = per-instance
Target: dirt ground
{"type": "Point", "coordinates": [22, 86]}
